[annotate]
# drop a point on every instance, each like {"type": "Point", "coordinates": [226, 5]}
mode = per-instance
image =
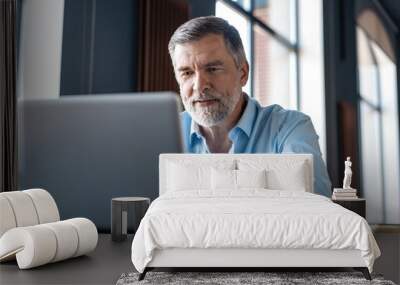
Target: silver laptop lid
{"type": "Point", "coordinates": [86, 150]}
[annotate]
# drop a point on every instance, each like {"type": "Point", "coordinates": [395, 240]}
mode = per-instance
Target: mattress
{"type": "Point", "coordinates": [251, 219]}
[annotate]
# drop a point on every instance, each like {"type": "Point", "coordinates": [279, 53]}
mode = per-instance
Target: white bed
{"type": "Point", "coordinates": [201, 220]}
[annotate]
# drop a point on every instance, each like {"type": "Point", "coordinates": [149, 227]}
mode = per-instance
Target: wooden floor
{"type": "Point", "coordinates": [389, 263]}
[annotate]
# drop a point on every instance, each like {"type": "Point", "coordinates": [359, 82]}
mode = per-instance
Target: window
{"type": "Point", "coordinates": [379, 129]}
{"type": "Point", "coordinates": [242, 24]}
{"type": "Point", "coordinates": [284, 46]}
{"type": "Point", "coordinates": [268, 32]}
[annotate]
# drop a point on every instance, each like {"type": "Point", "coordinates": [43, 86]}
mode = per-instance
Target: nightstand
{"type": "Point", "coordinates": [124, 209]}
{"type": "Point", "coordinates": [355, 205]}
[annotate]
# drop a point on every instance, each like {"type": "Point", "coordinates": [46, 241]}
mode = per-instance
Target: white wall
{"type": "Point", "coordinates": [39, 66]}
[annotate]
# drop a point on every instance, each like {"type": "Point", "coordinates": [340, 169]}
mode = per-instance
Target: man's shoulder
{"type": "Point", "coordinates": [277, 113]}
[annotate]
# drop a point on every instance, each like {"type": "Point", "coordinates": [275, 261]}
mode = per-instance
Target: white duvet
{"type": "Point", "coordinates": [250, 219]}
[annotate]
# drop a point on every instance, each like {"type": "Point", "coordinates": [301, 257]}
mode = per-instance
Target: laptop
{"type": "Point", "coordinates": [86, 150]}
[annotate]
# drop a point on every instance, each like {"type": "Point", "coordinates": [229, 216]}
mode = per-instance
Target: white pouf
{"type": "Point", "coordinates": [26, 208]}
{"type": "Point", "coordinates": [31, 230]}
{"type": "Point", "coordinates": [40, 244]}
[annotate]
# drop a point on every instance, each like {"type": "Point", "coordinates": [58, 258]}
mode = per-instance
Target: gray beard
{"type": "Point", "coordinates": [212, 115]}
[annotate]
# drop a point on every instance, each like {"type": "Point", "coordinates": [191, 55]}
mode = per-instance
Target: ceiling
{"type": "Point", "coordinates": [392, 7]}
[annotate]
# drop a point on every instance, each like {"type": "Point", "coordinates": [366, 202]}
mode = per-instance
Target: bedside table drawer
{"type": "Point", "coordinates": [356, 205]}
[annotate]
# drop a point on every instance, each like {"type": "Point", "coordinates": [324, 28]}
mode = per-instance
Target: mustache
{"type": "Point", "coordinates": [204, 96]}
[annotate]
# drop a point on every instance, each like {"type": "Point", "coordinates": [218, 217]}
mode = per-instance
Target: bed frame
{"type": "Point", "coordinates": [246, 259]}
{"type": "Point", "coordinates": [250, 258]}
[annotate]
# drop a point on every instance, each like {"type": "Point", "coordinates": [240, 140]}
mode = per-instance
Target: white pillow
{"type": "Point", "coordinates": [294, 178]}
{"type": "Point", "coordinates": [223, 179]}
{"type": "Point", "coordinates": [287, 174]}
{"type": "Point", "coordinates": [237, 179]}
{"type": "Point", "coordinates": [181, 177]}
{"type": "Point", "coordinates": [251, 178]}
{"type": "Point", "coordinates": [193, 176]}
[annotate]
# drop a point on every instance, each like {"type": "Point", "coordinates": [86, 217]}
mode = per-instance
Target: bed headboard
{"type": "Point", "coordinates": [270, 161]}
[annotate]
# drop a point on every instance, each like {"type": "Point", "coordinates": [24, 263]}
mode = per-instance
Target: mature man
{"type": "Point", "coordinates": [211, 68]}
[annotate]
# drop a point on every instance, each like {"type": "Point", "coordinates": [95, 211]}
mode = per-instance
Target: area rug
{"type": "Point", "coordinates": [229, 278]}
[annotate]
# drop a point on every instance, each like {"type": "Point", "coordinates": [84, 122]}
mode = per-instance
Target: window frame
{"type": "Point", "coordinates": [293, 47]}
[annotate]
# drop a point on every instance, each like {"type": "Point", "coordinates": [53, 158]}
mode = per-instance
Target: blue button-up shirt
{"type": "Point", "coordinates": [269, 129]}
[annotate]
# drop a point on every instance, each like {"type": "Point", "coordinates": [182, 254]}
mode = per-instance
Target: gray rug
{"type": "Point", "coordinates": [228, 278]}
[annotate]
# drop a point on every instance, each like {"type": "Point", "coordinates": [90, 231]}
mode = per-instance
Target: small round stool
{"type": "Point", "coordinates": [126, 214]}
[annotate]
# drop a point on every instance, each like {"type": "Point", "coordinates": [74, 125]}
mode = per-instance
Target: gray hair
{"type": "Point", "coordinates": [197, 28]}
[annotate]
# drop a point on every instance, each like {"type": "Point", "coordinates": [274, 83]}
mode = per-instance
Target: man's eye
{"type": "Point", "coordinates": [186, 73]}
{"type": "Point", "coordinates": [213, 69]}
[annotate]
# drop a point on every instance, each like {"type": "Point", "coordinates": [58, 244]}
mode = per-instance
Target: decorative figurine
{"type": "Point", "coordinates": [347, 174]}
{"type": "Point", "coordinates": [347, 192]}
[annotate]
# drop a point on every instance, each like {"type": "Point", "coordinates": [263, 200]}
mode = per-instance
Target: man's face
{"type": "Point", "coordinates": [210, 83]}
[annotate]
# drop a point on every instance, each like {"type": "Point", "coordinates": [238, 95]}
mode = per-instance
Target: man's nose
{"type": "Point", "coordinates": [201, 82]}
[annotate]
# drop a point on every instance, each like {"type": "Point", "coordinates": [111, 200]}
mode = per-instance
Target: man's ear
{"type": "Point", "coordinates": [173, 67]}
{"type": "Point", "coordinates": [244, 73]}
{"type": "Point", "coordinates": [176, 75]}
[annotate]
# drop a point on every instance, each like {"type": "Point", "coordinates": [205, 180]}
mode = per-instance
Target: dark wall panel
{"type": "Point", "coordinates": [340, 80]}
{"type": "Point", "coordinates": [99, 50]}
{"type": "Point", "coordinates": [74, 58]}
{"type": "Point", "coordinates": [199, 8]}
{"type": "Point", "coordinates": [115, 51]}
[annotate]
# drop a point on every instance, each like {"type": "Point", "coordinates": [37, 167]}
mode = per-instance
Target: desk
{"type": "Point", "coordinates": [102, 266]}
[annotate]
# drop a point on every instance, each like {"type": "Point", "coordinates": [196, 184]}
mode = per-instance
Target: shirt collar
{"type": "Point", "coordinates": [195, 130]}
{"type": "Point", "coordinates": [245, 122]}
